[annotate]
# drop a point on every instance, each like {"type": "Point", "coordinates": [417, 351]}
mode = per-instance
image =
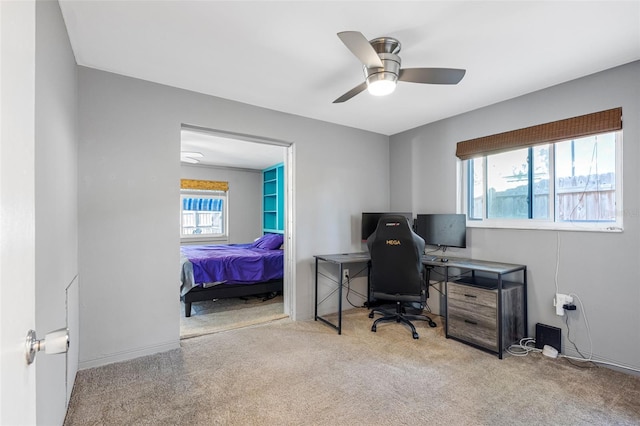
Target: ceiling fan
{"type": "Point", "coordinates": [381, 65]}
{"type": "Point", "coordinates": [190, 157]}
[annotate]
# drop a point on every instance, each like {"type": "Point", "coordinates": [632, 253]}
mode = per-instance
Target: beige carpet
{"type": "Point", "coordinates": [304, 373]}
{"type": "Point", "coordinates": [228, 314]}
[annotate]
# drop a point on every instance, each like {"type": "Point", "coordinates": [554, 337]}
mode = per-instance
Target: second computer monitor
{"type": "Point", "coordinates": [442, 230]}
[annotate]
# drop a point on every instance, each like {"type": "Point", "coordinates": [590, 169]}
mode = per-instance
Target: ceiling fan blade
{"type": "Point", "coordinates": [359, 46]}
{"type": "Point", "coordinates": [432, 75]}
{"type": "Point", "coordinates": [351, 93]}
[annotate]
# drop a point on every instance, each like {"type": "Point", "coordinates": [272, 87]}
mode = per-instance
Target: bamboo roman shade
{"type": "Point", "coordinates": [576, 127]}
{"type": "Point", "coordinates": [209, 185]}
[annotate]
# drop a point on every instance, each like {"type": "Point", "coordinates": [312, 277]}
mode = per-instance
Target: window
{"type": "Point", "coordinates": [517, 184]}
{"type": "Point", "coordinates": [573, 183]}
{"type": "Point", "coordinates": [203, 212]}
{"type": "Point", "coordinates": [585, 179]}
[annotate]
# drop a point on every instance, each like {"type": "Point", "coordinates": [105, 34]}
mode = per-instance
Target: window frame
{"type": "Point", "coordinates": [190, 238]}
{"type": "Point", "coordinates": [548, 223]}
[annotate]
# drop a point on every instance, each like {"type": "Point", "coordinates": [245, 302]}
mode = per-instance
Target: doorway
{"type": "Point", "coordinates": [239, 161]}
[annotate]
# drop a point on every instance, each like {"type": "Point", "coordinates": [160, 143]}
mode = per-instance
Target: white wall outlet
{"type": "Point", "coordinates": [345, 274]}
{"type": "Point", "coordinates": [559, 301]}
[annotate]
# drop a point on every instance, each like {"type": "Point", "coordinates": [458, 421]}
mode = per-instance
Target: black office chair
{"type": "Point", "coordinates": [397, 272]}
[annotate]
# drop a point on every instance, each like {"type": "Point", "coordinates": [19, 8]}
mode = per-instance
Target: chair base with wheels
{"type": "Point", "coordinates": [399, 316]}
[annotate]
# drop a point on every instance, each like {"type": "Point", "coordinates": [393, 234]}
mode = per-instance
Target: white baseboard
{"type": "Point", "coordinates": [128, 355]}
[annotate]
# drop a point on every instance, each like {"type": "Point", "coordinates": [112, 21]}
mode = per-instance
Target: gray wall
{"type": "Point", "coordinates": [601, 268]}
{"type": "Point", "coordinates": [56, 207]}
{"type": "Point", "coordinates": [244, 198]}
{"type": "Point", "coordinates": [129, 171]}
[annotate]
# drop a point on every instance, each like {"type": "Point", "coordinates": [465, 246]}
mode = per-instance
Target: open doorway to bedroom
{"type": "Point", "coordinates": [234, 203]}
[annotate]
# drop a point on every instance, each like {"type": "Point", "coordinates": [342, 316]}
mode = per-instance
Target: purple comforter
{"type": "Point", "coordinates": [234, 263]}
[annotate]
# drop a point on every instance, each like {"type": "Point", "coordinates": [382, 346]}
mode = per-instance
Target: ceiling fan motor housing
{"type": "Point", "coordinates": [387, 49]}
{"type": "Point", "coordinates": [389, 71]}
{"type": "Point", "coordinates": [386, 45]}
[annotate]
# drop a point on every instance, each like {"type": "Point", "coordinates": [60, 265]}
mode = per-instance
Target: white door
{"type": "Point", "coordinates": [17, 221]}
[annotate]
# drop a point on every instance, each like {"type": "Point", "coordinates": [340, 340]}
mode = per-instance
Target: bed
{"type": "Point", "coordinates": [220, 271]}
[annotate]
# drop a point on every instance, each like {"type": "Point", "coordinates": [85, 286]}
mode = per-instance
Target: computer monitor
{"type": "Point", "coordinates": [370, 222]}
{"type": "Point", "coordinates": [442, 230]}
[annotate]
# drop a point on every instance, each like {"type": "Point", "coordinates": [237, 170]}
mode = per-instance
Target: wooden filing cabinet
{"type": "Point", "coordinates": [473, 315]}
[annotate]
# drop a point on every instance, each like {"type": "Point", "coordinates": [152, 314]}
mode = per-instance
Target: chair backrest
{"type": "Point", "coordinates": [396, 257]}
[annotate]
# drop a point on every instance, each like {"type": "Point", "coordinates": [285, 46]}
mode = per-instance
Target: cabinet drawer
{"type": "Point", "coordinates": [473, 312]}
{"type": "Point", "coordinates": [477, 333]}
{"type": "Point", "coordinates": [474, 295]}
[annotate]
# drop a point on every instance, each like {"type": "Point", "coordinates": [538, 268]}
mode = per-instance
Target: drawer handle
{"type": "Point", "coordinates": [470, 322]}
{"type": "Point", "coordinates": [470, 295]}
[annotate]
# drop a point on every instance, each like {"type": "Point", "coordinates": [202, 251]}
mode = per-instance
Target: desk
{"type": "Point", "coordinates": [475, 311]}
{"type": "Point", "coordinates": [340, 260]}
{"type": "Point", "coordinates": [497, 269]}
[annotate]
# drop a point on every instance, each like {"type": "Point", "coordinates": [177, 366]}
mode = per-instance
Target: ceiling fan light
{"type": "Point", "coordinates": [381, 87]}
{"type": "Point", "coordinates": [381, 83]}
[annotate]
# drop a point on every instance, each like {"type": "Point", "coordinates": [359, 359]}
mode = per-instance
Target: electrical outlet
{"type": "Point", "coordinates": [345, 274]}
{"type": "Point", "coordinates": [559, 301]}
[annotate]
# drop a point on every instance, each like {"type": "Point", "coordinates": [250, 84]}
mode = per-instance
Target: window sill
{"type": "Point", "coordinates": [546, 226]}
{"type": "Point", "coordinates": [204, 240]}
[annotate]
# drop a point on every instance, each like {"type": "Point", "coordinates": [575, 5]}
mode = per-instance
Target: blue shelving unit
{"type": "Point", "coordinates": [273, 199]}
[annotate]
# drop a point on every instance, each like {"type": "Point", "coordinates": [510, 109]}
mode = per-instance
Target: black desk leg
{"type": "Point", "coordinates": [317, 317]}
{"type": "Point", "coordinates": [500, 318]}
{"type": "Point", "coordinates": [340, 299]}
{"type": "Point", "coordinates": [524, 289]}
{"type": "Point", "coordinates": [315, 314]}
{"type": "Point", "coordinates": [446, 301]}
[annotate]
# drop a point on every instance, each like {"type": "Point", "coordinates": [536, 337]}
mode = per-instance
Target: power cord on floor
{"type": "Point", "coordinates": [590, 357]}
{"type": "Point", "coordinates": [597, 362]}
{"type": "Point", "coordinates": [523, 347]}
{"type": "Point", "coordinates": [527, 345]}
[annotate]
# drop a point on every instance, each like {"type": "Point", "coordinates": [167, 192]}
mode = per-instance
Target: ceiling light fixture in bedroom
{"type": "Point", "coordinates": [190, 157]}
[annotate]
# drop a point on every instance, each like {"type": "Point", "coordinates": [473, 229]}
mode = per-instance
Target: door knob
{"type": "Point", "coordinates": [56, 342]}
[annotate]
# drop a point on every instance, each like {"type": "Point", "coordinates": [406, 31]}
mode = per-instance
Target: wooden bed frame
{"type": "Point", "coordinates": [223, 291]}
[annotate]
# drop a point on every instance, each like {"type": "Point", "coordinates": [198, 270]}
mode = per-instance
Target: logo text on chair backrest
{"type": "Point", "coordinates": [393, 242]}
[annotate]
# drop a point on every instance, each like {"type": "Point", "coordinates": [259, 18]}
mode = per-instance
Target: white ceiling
{"type": "Point", "coordinates": [286, 56]}
{"type": "Point", "coordinates": [231, 152]}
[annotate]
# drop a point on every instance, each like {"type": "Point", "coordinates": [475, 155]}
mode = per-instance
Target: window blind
{"type": "Point", "coordinates": [202, 204]}
{"type": "Point", "coordinates": [570, 128]}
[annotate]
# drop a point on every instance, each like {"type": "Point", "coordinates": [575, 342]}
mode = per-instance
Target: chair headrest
{"type": "Point", "coordinates": [393, 225]}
